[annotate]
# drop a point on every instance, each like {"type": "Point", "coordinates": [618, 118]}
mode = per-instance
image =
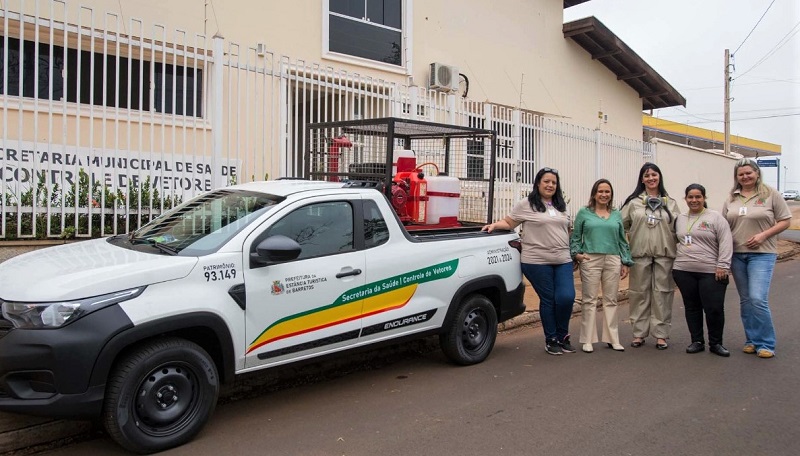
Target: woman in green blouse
{"type": "Point", "coordinates": [599, 246]}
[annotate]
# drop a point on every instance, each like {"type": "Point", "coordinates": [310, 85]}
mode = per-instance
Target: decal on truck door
{"type": "Point", "coordinates": [370, 299]}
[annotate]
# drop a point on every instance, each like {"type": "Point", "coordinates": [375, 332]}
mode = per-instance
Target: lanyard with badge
{"type": "Point", "coordinates": [687, 239]}
{"type": "Point", "coordinates": [551, 210]}
{"type": "Point", "coordinates": [743, 209]}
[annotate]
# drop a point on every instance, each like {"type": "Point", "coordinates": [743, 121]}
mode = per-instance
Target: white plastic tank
{"type": "Point", "coordinates": [403, 160]}
{"type": "Point", "coordinates": [444, 193]}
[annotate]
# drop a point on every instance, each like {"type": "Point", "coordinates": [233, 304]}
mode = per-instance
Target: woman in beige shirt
{"type": "Point", "coordinates": [546, 261]}
{"type": "Point", "coordinates": [756, 213]}
{"type": "Point", "coordinates": [701, 270]}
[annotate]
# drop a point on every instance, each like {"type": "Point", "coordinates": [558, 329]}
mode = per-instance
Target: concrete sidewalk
{"type": "Point", "coordinates": [20, 435]}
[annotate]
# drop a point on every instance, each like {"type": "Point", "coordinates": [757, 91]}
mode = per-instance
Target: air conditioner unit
{"type": "Point", "coordinates": [443, 77]}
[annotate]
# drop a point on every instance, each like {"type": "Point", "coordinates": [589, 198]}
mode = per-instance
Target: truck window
{"type": "Point", "coordinates": [320, 229]}
{"type": "Point", "coordinates": [375, 230]}
{"type": "Point", "coordinates": [202, 225]}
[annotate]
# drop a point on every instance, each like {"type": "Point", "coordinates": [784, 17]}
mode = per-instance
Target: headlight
{"type": "Point", "coordinates": [55, 314]}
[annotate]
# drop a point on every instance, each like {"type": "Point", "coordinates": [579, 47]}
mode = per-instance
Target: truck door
{"type": "Point", "coordinates": [396, 269]}
{"type": "Point", "coordinates": [310, 305]}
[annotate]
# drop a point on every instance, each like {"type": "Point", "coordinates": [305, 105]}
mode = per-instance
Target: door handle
{"type": "Point", "coordinates": [353, 272]}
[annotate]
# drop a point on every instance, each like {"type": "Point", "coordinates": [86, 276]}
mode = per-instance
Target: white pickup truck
{"type": "Point", "coordinates": [141, 329]}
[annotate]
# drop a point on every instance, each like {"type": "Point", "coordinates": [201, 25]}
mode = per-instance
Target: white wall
{"type": "Point", "coordinates": [683, 165]}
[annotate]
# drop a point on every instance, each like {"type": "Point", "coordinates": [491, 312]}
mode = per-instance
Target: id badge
{"type": "Point", "coordinates": [743, 210]}
{"type": "Point", "coordinates": [687, 240]}
{"type": "Point", "coordinates": [651, 220]}
{"type": "Point", "coordinates": [552, 212]}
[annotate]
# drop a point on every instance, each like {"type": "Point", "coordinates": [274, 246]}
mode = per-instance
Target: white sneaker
{"type": "Point", "coordinates": [587, 348]}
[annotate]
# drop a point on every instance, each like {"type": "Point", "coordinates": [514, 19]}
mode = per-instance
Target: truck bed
{"type": "Point", "coordinates": [441, 234]}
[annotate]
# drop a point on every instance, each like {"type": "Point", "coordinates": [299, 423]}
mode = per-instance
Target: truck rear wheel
{"type": "Point", "coordinates": [160, 395]}
{"type": "Point", "coordinates": [471, 335]}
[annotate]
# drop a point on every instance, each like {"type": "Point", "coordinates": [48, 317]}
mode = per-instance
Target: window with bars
{"type": "Point", "coordinates": [475, 159]}
{"type": "Point", "coordinates": [97, 78]}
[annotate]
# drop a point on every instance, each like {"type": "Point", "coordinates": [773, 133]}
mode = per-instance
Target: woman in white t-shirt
{"type": "Point", "coordinates": [546, 260]}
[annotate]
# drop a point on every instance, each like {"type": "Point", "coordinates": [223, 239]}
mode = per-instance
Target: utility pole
{"type": "Point", "coordinates": [727, 109]}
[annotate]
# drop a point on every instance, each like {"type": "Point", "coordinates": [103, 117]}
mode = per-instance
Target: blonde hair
{"type": "Point", "coordinates": [762, 189]}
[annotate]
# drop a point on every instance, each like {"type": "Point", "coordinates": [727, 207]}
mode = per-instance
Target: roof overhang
{"type": "Point", "coordinates": [605, 47]}
{"type": "Point", "coordinates": [568, 3]}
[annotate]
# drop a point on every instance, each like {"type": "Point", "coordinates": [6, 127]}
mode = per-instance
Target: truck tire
{"type": "Point", "coordinates": [471, 335]}
{"type": "Point", "coordinates": [160, 395]}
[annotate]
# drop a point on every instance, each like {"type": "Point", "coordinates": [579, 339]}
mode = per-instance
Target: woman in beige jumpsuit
{"type": "Point", "coordinates": [648, 216]}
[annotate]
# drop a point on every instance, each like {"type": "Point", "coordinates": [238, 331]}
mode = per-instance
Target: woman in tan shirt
{"type": "Point", "coordinates": [701, 270]}
{"type": "Point", "coordinates": [546, 261]}
{"type": "Point", "coordinates": [756, 213]}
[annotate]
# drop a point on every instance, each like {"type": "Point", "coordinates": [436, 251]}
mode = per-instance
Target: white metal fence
{"type": "Point", "coordinates": [106, 123]}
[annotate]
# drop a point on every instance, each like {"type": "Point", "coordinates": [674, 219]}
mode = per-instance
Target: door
{"type": "Point", "coordinates": [307, 306]}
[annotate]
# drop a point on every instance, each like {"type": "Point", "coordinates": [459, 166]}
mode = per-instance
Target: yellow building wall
{"type": "Point", "coordinates": [513, 52]}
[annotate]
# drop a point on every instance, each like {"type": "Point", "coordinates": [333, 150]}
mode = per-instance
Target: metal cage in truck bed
{"type": "Point", "coordinates": [381, 149]}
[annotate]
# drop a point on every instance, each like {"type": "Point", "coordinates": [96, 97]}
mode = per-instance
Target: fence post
{"type": "Point", "coordinates": [451, 109]}
{"type": "Point", "coordinates": [598, 154]}
{"type": "Point", "coordinates": [413, 102]}
{"type": "Point", "coordinates": [516, 132]}
{"type": "Point", "coordinates": [217, 110]}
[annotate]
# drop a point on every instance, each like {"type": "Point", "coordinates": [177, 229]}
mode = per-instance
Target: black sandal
{"type": "Point", "coordinates": [662, 346]}
{"type": "Point", "coordinates": [637, 344]}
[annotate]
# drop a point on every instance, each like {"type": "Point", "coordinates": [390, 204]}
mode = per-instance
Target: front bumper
{"type": "Point", "coordinates": [47, 372]}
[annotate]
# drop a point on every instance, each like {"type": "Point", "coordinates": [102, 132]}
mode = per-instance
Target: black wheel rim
{"type": "Point", "coordinates": [476, 330]}
{"type": "Point", "coordinates": [167, 399]}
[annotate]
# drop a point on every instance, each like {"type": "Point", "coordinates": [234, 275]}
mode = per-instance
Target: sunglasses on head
{"type": "Point", "coordinates": [550, 170]}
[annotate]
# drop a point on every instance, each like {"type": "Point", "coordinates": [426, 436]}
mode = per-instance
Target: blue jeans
{"type": "Point", "coordinates": [752, 273]}
{"type": "Point", "coordinates": [555, 285]}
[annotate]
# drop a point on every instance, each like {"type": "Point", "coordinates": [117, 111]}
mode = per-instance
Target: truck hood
{"type": "Point", "coordinates": [84, 269]}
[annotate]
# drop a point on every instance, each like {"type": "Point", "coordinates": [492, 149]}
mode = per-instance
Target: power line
{"type": "Point", "coordinates": [746, 118]}
{"type": "Point", "coordinates": [786, 38]}
{"type": "Point", "coordinates": [754, 27]}
{"type": "Point", "coordinates": [767, 81]}
{"type": "Point", "coordinates": [696, 116]}
{"type": "Point", "coordinates": [735, 112]}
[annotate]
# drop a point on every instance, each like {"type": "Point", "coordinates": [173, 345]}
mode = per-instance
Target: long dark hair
{"type": "Point", "coordinates": [640, 185]}
{"type": "Point", "coordinates": [592, 202]}
{"type": "Point", "coordinates": [662, 191]}
{"type": "Point", "coordinates": [700, 188]}
{"type": "Point", "coordinates": [536, 200]}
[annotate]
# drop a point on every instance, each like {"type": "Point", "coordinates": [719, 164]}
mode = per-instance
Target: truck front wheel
{"type": "Point", "coordinates": [470, 336]}
{"type": "Point", "coordinates": [160, 395]}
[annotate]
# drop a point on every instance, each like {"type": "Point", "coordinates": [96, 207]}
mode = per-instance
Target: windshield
{"type": "Point", "coordinates": [202, 225]}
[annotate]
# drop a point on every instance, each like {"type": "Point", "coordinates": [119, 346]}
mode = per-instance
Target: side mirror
{"type": "Point", "coordinates": [275, 249]}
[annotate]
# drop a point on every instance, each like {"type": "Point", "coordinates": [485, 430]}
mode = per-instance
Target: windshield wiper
{"type": "Point", "coordinates": [159, 245]}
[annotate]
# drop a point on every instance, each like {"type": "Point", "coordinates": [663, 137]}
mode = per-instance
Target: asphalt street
{"type": "Point", "coordinates": [522, 401]}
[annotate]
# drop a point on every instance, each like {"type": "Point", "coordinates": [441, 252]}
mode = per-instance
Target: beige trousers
{"type": "Point", "coordinates": [650, 294]}
{"type": "Point", "coordinates": [596, 272]}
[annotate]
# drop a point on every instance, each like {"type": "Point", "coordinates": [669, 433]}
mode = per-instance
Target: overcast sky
{"type": "Point", "coordinates": [685, 42]}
